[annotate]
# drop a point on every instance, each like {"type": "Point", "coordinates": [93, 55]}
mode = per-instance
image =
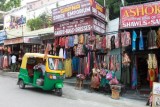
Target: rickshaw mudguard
{"type": "Point", "coordinates": [59, 85]}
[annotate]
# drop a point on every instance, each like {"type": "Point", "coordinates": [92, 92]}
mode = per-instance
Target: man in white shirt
{"type": "Point", "coordinates": [14, 66]}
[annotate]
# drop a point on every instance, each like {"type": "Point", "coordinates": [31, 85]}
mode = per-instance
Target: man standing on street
{"type": "Point", "coordinates": [13, 59]}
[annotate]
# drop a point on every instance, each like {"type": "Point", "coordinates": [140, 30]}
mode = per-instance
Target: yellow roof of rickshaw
{"type": "Point", "coordinates": [39, 55]}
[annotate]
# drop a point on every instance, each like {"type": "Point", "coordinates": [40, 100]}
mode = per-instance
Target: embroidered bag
{"type": "Point", "coordinates": [109, 76]}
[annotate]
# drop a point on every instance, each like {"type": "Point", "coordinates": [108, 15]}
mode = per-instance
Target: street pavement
{"type": "Point", "coordinates": [12, 96]}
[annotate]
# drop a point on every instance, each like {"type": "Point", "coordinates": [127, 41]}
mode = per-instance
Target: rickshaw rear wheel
{"type": "Point", "coordinates": [59, 91]}
{"type": "Point", "coordinates": [21, 84]}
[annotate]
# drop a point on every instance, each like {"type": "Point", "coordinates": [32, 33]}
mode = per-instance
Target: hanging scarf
{"type": "Point", "coordinates": [141, 44]}
{"type": "Point", "coordinates": [134, 37]}
{"type": "Point", "coordinates": [134, 77]}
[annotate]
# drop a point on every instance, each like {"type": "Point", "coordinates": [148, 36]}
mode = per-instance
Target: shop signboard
{"type": "Point", "coordinates": [78, 9]}
{"type": "Point", "coordinates": [142, 15]}
{"type": "Point", "coordinates": [99, 26]}
{"type": "Point", "coordinates": [156, 95]}
{"type": "Point", "coordinates": [73, 27]}
{"type": "Point", "coordinates": [3, 36]}
{"type": "Point", "coordinates": [98, 10]}
{"type": "Point", "coordinates": [13, 41]}
{"type": "Point", "coordinates": [34, 40]}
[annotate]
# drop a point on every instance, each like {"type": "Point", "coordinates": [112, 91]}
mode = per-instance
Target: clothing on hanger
{"type": "Point", "coordinates": [134, 37]}
{"type": "Point", "coordinates": [141, 44]}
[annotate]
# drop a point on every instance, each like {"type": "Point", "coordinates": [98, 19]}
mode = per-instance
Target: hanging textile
{"type": "Point", "coordinates": [61, 52]}
{"type": "Point", "coordinates": [117, 41]}
{"type": "Point", "coordinates": [134, 77]}
{"type": "Point", "coordinates": [64, 55]}
{"type": "Point", "coordinates": [71, 41]}
{"type": "Point", "coordinates": [75, 39]}
{"type": "Point", "coordinates": [158, 38]}
{"type": "Point", "coordinates": [141, 44]}
{"type": "Point", "coordinates": [103, 43]}
{"type": "Point", "coordinates": [112, 42]}
{"type": "Point", "coordinates": [98, 42]}
{"type": "Point", "coordinates": [108, 42]}
{"type": "Point", "coordinates": [152, 68]}
{"type": "Point", "coordinates": [134, 37]}
{"type": "Point", "coordinates": [5, 62]}
{"type": "Point", "coordinates": [66, 42]}
{"type": "Point", "coordinates": [75, 64]}
{"type": "Point", "coordinates": [81, 39]}
{"type": "Point", "coordinates": [125, 39]}
{"type": "Point", "coordinates": [68, 67]}
{"type": "Point", "coordinates": [152, 36]}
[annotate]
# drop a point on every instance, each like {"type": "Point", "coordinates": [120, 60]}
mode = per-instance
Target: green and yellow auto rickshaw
{"type": "Point", "coordinates": [53, 77]}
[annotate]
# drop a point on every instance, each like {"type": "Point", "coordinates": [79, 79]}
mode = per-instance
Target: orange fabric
{"type": "Point", "coordinates": [91, 2]}
{"type": "Point", "coordinates": [152, 74]}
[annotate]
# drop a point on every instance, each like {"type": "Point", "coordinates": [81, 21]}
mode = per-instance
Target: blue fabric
{"type": "Point", "coordinates": [141, 44]}
{"type": "Point", "coordinates": [65, 56]}
{"type": "Point", "coordinates": [75, 64]}
{"type": "Point", "coordinates": [134, 37]}
{"type": "Point", "coordinates": [134, 77]}
{"type": "Point", "coordinates": [71, 41]}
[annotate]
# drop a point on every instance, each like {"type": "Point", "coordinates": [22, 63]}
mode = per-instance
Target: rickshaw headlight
{"type": "Point", "coordinates": [54, 77]}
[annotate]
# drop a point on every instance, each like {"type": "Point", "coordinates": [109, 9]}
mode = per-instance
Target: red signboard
{"type": "Point", "coordinates": [73, 27]}
{"type": "Point", "coordinates": [80, 25]}
{"type": "Point", "coordinates": [76, 10]}
{"type": "Point", "coordinates": [142, 15]}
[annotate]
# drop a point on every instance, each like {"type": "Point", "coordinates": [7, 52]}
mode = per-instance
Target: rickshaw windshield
{"type": "Point", "coordinates": [55, 64]}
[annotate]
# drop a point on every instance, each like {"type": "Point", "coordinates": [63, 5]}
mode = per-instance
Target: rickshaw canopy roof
{"type": "Point", "coordinates": [38, 55]}
{"type": "Point", "coordinates": [34, 55]}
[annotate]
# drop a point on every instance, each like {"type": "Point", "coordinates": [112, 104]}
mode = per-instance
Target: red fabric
{"type": "Point", "coordinates": [30, 66]}
{"type": "Point", "coordinates": [103, 43]}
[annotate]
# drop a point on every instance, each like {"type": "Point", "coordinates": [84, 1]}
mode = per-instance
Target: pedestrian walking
{"type": "Point", "coordinates": [14, 66]}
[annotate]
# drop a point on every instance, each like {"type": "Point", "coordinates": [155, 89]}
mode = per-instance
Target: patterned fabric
{"type": "Point", "coordinates": [152, 61]}
{"type": "Point", "coordinates": [125, 39]}
{"type": "Point", "coordinates": [108, 42]}
{"type": "Point", "coordinates": [75, 39]}
{"type": "Point", "coordinates": [117, 42]}
{"type": "Point", "coordinates": [81, 39]}
{"type": "Point", "coordinates": [80, 49]}
{"type": "Point", "coordinates": [103, 43]}
{"type": "Point", "coordinates": [98, 42]}
{"type": "Point", "coordinates": [66, 42]}
{"type": "Point", "coordinates": [152, 39]}
{"type": "Point", "coordinates": [158, 38]}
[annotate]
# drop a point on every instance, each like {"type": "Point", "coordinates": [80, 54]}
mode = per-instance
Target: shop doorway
{"type": "Point", "coordinates": [142, 67]}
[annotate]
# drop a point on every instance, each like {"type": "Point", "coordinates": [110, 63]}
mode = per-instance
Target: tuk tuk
{"type": "Point", "coordinates": [51, 79]}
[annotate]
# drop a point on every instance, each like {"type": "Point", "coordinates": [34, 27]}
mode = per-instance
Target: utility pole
{"type": "Point", "coordinates": [22, 24]}
{"type": "Point", "coordinates": [104, 3]}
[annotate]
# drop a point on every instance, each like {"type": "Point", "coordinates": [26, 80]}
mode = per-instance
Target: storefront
{"type": "Point", "coordinates": [19, 46]}
{"type": "Point", "coordinates": [3, 36]}
{"type": "Point", "coordinates": [140, 36]}
{"type": "Point", "coordinates": [80, 37]}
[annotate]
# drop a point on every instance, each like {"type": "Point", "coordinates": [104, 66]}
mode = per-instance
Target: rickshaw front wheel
{"type": "Point", "coordinates": [59, 91]}
{"type": "Point", "coordinates": [21, 84]}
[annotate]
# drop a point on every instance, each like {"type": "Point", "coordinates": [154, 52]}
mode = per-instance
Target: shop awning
{"type": "Point", "coordinates": [18, 40]}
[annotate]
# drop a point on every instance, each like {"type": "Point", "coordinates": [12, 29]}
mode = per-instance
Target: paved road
{"type": "Point", "coordinates": [12, 96]}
